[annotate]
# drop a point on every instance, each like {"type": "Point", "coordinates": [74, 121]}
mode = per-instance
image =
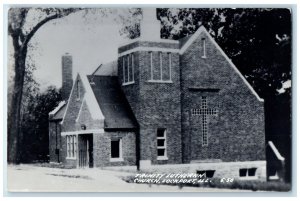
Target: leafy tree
{"type": "Point", "coordinates": [257, 40]}
{"type": "Point", "coordinates": [35, 124]}
{"type": "Point", "coordinates": [23, 23]}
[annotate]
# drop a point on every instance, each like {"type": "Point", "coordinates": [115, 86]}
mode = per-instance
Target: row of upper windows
{"type": "Point", "coordinates": [160, 72]}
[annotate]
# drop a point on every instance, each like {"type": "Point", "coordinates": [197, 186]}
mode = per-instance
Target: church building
{"type": "Point", "coordinates": [178, 104]}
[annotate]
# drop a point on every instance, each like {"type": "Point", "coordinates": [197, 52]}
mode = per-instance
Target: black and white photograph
{"type": "Point", "coordinates": [149, 99]}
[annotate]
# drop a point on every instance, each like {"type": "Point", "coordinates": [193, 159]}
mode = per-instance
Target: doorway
{"type": "Point", "coordinates": [85, 145]}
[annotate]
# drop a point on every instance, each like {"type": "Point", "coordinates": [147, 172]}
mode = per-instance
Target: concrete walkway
{"type": "Point", "coordinates": [30, 178]}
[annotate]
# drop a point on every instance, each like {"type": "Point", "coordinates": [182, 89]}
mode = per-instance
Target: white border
{"type": "Point", "coordinates": [138, 196]}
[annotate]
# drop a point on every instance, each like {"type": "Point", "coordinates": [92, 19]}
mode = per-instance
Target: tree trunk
{"type": "Point", "coordinates": [14, 123]}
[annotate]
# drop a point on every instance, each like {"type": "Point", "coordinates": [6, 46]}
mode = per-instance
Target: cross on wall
{"type": "Point", "coordinates": [204, 111]}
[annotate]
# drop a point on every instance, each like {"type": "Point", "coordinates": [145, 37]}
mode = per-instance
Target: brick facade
{"type": "Point", "coordinates": [237, 132]}
{"type": "Point", "coordinates": [71, 121]}
{"type": "Point", "coordinates": [102, 147]}
{"type": "Point", "coordinates": [67, 76]}
{"type": "Point", "coordinates": [55, 144]}
{"type": "Point", "coordinates": [155, 105]}
{"type": "Point", "coordinates": [159, 97]}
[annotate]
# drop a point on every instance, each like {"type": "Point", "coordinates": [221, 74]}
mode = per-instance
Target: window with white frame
{"type": "Point", "coordinates": [71, 146]}
{"type": "Point", "coordinates": [161, 71]}
{"type": "Point", "coordinates": [116, 150]}
{"type": "Point", "coordinates": [128, 69]}
{"type": "Point", "coordinates": [203, 48]}
{"type": "Point", "coordinates": [161, 143]}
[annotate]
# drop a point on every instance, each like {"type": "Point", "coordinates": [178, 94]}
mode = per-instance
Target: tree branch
{"type": "Point", "coordinates": [37, 26]}
{"type": "Point", "coordinates": [59, 14]}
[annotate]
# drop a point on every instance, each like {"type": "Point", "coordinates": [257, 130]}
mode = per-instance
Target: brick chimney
{"type": "Point", "coordinates": [67, 76]}
{"type": "Point", "coordinates": [150, 25]}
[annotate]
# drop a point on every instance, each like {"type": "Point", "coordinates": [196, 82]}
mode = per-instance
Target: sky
{"type": "Point", "coordinates": [91, 41]}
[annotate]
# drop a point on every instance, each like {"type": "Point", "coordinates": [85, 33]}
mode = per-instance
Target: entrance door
{"type": "Point", "coordinates": [85, 151]}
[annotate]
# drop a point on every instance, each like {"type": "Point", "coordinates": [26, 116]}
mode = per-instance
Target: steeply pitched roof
{"type": "Point", "coordinates": [112, 101]}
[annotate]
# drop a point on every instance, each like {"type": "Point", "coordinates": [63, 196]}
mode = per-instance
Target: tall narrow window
{"type": "Point", "coordinates": [123, 58]}
{"type": "Point", "coordinates": [78, 89]}
{"type": "Point", "coordinates": [68, 147]}
{"type": "Point", "coordinates": [71, 146]}
{"type": "Point", "coordinates": [161, 144]}
{"type": "Point", "coordinates": [128, 69]}
{"type": "Point", "coordinates": [116, 150]}
{"type": "Point", "coordinates": [203, 48]}
{"type": "Point", "coordinates": [160, 65]}
{"type": "Point", "coordinates": [132, 66]}
{"type": "Point", "coordinates": [170, 65]}
{"type": "Point", "coordinates": [151, 65]}
{"type": "Point", "coordinates": [75, 145]}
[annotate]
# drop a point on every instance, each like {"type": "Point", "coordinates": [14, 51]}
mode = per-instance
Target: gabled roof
{"type": "Point", "coordinates": [112, 102]}
{"type": "Point", "coordinates": [187, 41]}
{"type": "Point", "coordinates": [89, 96]}
{"type": "Point", "coordinates": [91, 101]}
{"type": "Point", "coordinates": [58, 112]}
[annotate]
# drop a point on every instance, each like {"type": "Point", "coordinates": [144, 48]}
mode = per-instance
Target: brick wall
{"type": "Point", "coordinates": [67, 76]}
{"type": "Point", "coordinates": [222, 170]}
{"type": "Point", "coordinates": [237, 132]}
{"type": "Point", "coordinates": [155, 105]}
{"type": "Point", "coordinates": [102, 148]}
{"type": "Point", "coordinates": [74, 104]}
{"type": "Point", "coordinates": [69, 163]}
{"type": "Point", "coordinates": [54, 141]}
